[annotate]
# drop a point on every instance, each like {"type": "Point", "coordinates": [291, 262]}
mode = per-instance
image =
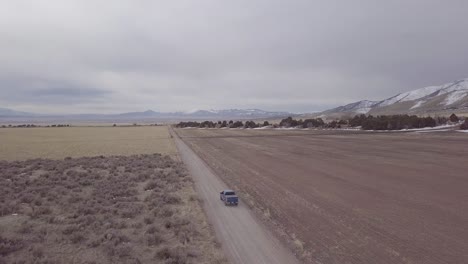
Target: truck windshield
{"type": "Point", "coordinates": [229, 193]}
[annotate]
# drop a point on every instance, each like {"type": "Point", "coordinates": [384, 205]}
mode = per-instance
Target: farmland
{"type": "Point", "coordinates": [349, 197]}
{"type": "Point", "coordinates": [58, 143]}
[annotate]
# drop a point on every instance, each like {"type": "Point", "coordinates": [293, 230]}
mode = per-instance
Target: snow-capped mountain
{"type": "Point", "coordinates": [455, 91]}
{"type": "Point", "coordinates": [450, 97]}
{"type": "Point", "coordinates": [361, 107]}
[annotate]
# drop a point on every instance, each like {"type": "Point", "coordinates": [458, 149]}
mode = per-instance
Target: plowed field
{"type": "Point", "coordinates": [340, 197]}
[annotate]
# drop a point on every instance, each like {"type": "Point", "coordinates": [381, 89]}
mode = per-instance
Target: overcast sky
{"type": "Point", "coordinates": [59, 56]}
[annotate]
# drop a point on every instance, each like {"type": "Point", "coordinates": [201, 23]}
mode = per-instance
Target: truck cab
{"type": "Point", "coordinates": [229, 197]}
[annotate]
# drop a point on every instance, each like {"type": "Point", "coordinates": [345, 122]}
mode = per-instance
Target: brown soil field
{"type": "Point", "coordinates": [61, 142]}
{"type": "Point", "coordinates": [117, 209]}
{"type": "Point", "coordinates": [349, 197]}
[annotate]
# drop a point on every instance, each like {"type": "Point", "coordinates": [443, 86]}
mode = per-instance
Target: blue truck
{"type": "Point", "coordinates": [229, 197]}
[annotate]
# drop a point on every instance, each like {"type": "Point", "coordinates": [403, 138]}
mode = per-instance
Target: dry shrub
{"type": "Point", "coordinates": [119, 251]}
{"type": "Point", "coordinates": [8, 246]}
{"type": "Point", "coordinates": [25, 228]}
{"type": "Point", "coordinates": [8, 208]}
{"type": "Point", "coordinates": [176, 255]}
{"type": "Point", "coordinates": [116, 237]}
{"type": "Point", "coordinates": [153, 185]}
{"type": "Point", "coordinates": [97, 204]}
{"type": "Point", "coordinates": [171, 199]}
{"type": "Point", "coordinates": [152, 229]}
{"type": "Point", "coordinates": [142, 177]}
{"type": "Point", "coordinates": [137, 225]}
{"type": "Point", "coordinates": [153, 239]}
{"type": "Point", "coordinates": [37, 252]}
{"type": "Point", "coordinates": [40, 211]}
{"type": "Point", "coordinates": [27, 198]}
{"type": "Point", "coordinates": [167, 212]}
{"type": "Point", "coordinates": [77, 237]}
{"type": "Point", "coordinates": [148, 220]}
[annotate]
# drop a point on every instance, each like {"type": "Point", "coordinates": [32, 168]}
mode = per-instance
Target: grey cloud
{"type": "Point", "coordinates": [276, 55]}
{"type": "Point", "coordinates": [18, 89]}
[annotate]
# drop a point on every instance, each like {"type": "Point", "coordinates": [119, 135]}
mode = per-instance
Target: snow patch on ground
{"type": "Point", "coordinates": [463, 131]}
{"type": "Point", "coordinates": [433, 130]}
{"type": "Point", "coordinates": [264, 127]}
{"type": "Point", "coordinates": [436, 128]}
{"type": "Point", "coordinates": [430, 128]}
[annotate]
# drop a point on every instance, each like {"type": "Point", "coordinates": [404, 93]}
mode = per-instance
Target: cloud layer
{"type": "Point", "coordinates": [116, 56]}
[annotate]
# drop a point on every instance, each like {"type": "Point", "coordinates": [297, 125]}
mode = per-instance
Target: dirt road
{"type": "Point", "coordinates": [243, 238]}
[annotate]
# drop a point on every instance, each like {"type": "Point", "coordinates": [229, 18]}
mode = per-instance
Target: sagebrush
{"type": "Point", "coordinates": [118, 209]}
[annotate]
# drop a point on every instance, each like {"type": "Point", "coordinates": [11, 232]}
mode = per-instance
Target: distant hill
{"type": "Point", "coordinates": [208, 114]}
{"type": "Point", "coordinates": [5, 112]}
{"type": "Point", "coordinates": [443, 99]}
{"type": "Point", "coordinates": [360, 107]}
{"type": "Point", "coordinates": [11, 115]}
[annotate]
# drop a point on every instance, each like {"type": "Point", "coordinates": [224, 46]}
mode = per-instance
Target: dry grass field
{"type": "Point", "coordinates": [118, 209]}
{"type": "Point", "coordinates": [58, 143]}
{"type": "Point", "coordinates": [350, 197]}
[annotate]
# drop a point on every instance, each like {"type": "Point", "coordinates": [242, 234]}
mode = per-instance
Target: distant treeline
{"type": "Point", "coordinates": [33, 125]}
{"type": "Point", "coordinates": [391, 122]}
{"type": "Point", "coordinates": [312, 123]}
{"type": "Point", "coordinates": [398, 122]}
{"type": "Point", "coordinates": [221, 124]}
{"type": "Point", "coordinates": [366, 122]}
{"type": "Point", "coordinates": [287, 122]}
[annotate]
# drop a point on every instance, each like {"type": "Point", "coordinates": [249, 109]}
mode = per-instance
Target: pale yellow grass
{"type": "Point", "coordinates": [58, 143]}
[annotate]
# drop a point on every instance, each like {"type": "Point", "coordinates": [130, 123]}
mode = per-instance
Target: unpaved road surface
{"type": "Point", "coordinates": [243, 238]}
{"type": "Point", "coordinates": [357, 197]}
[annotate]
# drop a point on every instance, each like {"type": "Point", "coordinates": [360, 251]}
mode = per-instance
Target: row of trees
{"type": "Point", "coordinates": [221, 124]}
{"type": "Point", "coordinates": [366, 122]}
{"type": "Point", "coordinates": [287, 122]}
{"type": "Point", "coordinates": [464, 126]}
{"type": "Point", "coordinates": [33, 125]}
{"type": "Point", "coordinates": [391, 122]}
{"type": "Point", "coordinates": [397, 122]}
{"type": "Point", "coordinates": [309, 123]}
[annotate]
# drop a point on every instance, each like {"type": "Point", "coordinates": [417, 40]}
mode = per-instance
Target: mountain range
{"type": "Point", "coordinates": [433, 100]}
{"type": "Point", "coordinates": [12, 115]}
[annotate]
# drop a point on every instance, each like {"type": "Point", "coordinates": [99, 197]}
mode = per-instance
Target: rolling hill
{"type": "Point", "coordinates": [432, 100]}
{"type": "Point", "coordinates": [5, 112]}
